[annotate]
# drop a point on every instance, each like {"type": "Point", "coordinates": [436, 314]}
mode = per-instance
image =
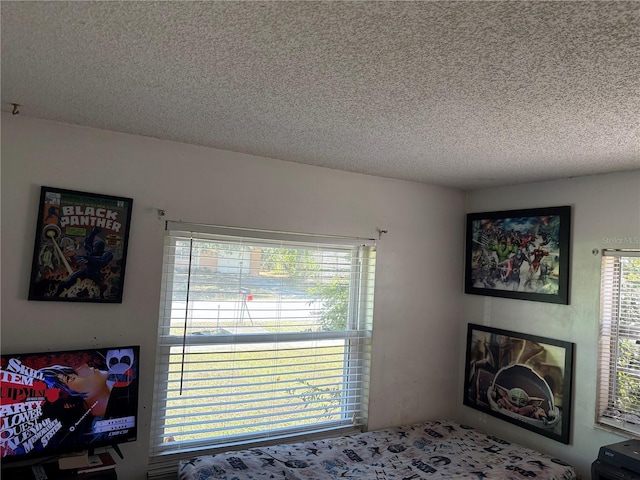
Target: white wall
{"type": "Point", "coordinates": [606, 214]}
{"type": "Point", "coordinates": [418, 290]}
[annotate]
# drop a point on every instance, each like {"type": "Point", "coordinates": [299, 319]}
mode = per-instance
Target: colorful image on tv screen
{"type": "Point", "coordinates": [58, 402]}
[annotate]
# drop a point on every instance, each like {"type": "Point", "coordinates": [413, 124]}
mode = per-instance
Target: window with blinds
{"type": "Point", "coordinates": [263, 335]}
{"type": "Point", "coordinates": [619, 346]}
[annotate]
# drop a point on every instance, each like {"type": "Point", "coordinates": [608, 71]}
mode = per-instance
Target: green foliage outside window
{"type": "Point", "coordinates": [628, 380]}
{"type": "Point", "coordinates": [335, 303]}
{"type": "Point", "coordinates": [288, 262]}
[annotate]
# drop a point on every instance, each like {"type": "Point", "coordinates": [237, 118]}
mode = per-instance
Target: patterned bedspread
{"type": "Point", "coordinates": [432, 450]}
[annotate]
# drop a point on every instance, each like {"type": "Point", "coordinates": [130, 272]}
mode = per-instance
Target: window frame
{"type": "Point", "coordinates": [360, 320]}
{"type": "Point", "coordinates": [608, 347]}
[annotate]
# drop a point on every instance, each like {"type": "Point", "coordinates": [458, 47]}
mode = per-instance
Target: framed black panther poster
{"type": "Point", "coordinates": [80, 249]}
{"type": "Point", "coordinates": [522, 379]}
{"type": "Point", "coordinates": [521, 254]}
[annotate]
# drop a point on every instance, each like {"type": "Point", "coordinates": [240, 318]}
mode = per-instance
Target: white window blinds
{"type": "Point", "coordinates": [262, 335]}
{"type": "Point", "coordinates": [619, 346]}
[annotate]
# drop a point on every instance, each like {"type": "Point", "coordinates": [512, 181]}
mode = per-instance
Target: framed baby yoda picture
{"type": "Point", "coordinates": [522, 379]}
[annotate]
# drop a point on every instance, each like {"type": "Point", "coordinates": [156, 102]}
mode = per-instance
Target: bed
{"type": "Point", "coordinates": [430, 450]}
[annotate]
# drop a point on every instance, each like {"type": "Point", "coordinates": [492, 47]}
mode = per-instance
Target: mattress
{"type": "Point", "coordinates": [430, 450]}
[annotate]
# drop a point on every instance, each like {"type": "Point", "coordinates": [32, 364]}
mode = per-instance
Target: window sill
{"type": "Point", "coordinates": [618, 429]}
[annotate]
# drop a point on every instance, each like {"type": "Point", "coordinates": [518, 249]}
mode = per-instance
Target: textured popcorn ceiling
{"type": "Point", "coordinates": [460, 94]}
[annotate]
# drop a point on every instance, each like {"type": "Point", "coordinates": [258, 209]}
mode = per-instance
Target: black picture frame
{"type": "Point", "coordinates": [80, 248]}
{"type": "Point", "coordinates": [520, 254]}
{"type": "Point", "coordinates": [523, 379]}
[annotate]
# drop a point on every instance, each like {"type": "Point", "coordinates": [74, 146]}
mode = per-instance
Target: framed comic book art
{"type": "Point", "coordinates": [522, 254]}
{"type": "Point", "coordinates": [522, 379]}
{"type": "Point", "coordinates": [80, 249]}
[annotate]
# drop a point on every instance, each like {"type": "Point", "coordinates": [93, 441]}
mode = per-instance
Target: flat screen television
{"type": "Point", "coordinates": [60, 402]}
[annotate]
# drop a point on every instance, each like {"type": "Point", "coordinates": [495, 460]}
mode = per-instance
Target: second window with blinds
{"type": "Point", "coordinates": [263, 335]}
{"type": "Point", "coordinates": [618, 400]}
